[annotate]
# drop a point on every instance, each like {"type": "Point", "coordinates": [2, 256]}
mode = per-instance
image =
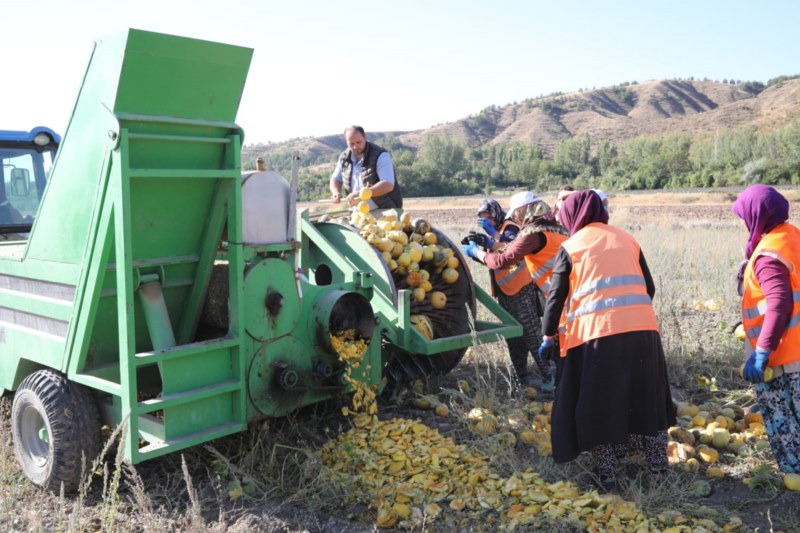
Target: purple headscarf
{"type": "Point", "coordinates": [581, 208]}
{"type": "Point", "coordinates": [762, 208]}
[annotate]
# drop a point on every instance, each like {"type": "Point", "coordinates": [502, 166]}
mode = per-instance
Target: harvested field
{"type": "Point", "coordinates": [271, 477]}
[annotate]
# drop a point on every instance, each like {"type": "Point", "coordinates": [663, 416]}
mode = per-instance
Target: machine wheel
{"type": "Point", "coordinates": [54, 422]}
{"type": "Point", "coordinates": [453, 320]}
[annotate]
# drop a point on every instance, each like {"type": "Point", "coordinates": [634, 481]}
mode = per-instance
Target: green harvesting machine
{"type": "Point", "coordinates": [160, 291]}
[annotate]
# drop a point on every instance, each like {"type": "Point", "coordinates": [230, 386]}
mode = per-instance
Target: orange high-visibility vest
{"type": "Point", "coordinates": [540, 264]}
{"type": "Point", "coordinates": [607, 290]}
{"type": "Point", "coordinates": [511, 279]}
{"type": "Point", "coordinates": [783, 243]}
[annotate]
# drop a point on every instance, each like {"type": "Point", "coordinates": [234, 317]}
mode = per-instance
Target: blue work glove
{"type": "Point", "coordinates": [545, 347]}
{"type": "Point", "coordinates": [470, 249]}
{"type": "Point", "coordinates": [488, 226]}
{"type": "Point", "coordinates": [755, 365]}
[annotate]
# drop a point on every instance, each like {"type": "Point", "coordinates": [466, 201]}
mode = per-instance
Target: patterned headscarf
{"type": "Point", "coordinates": [496, 213]}
{"type": "Point", "coordinates": [536, 210]}
{"type": "Point", "coordinates": [581, 208]}
{"type": "Point", "coordinates": [762, 208]}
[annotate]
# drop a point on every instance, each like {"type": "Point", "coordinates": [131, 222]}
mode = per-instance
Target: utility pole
{"type": "Point", "coordinates": [487, 188]}
{"type": "Point", "coordinates": [716, 143]}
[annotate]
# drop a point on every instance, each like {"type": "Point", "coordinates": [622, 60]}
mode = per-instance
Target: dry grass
{"type": "Point", "coordinates": [618, 199]}
{"type": "Point", "coordinates": [269, 477]}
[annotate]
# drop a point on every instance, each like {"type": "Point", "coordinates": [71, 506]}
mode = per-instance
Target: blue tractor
{"type": "Point", "coordinates": [27, 157]}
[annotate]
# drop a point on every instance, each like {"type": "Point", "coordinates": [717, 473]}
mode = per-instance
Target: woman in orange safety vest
{"type": "Point", "coordinates": [770, 288]}
{"type": "Point", "coordinates": [526, 262]}
{"type": "Point", "coordinates": [613, 392]}
{"type": "Point", "coordinates": [511, 286]}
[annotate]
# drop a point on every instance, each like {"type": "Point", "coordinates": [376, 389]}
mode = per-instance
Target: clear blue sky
{"type": "Point", "coordinates": [320, 66]}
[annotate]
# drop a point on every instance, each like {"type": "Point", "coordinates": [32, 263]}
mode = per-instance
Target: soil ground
{"type": "Point", "coordinates": [155, 497]}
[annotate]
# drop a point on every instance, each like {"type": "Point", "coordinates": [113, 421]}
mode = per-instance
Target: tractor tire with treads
{"type": "Point", "coordinates": [56, 430]}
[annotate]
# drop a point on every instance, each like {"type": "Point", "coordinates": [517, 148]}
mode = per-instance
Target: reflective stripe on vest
{"type": "Point", "coordinates": [510, 280]}
{"type": "Point", "coordinates": [761, 309]}
{"type": "Point", "coordinates": [545, 287]}
{"type": "Point", "coordinates": [608, 292]}
{"type": "Point", "coordinates": [609, 303]}
{"type": "Point", "coordinates": [543, 270]}
{"type": "Point", "coordinates": [783, 243]}
{"type": "Point", "coordinates": [604, 283]}
{"type": "Point", "coordinates": [540, 264]}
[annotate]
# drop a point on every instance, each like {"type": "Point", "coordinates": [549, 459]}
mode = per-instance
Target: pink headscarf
{"type": "Point", "coordinates": [581, 208]}
{"type": "Point", "coordinates": [762, 208]}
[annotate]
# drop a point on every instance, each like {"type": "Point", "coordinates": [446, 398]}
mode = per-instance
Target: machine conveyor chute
{"type": "Point", "coordinates": [334, 253]}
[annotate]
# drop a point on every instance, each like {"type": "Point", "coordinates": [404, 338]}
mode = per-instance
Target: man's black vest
{"type": "Point", "coordinates": [369, 176]}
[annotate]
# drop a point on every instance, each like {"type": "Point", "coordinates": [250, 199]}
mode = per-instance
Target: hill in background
{"type": "Point", "coordinates": [616, 114]}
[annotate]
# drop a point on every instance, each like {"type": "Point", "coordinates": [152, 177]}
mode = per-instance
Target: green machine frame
{"type": "Point", "coordinates": [110, 288]}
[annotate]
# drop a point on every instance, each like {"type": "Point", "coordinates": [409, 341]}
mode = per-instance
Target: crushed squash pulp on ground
{"type": "Point", "coordinates": [411, 475]}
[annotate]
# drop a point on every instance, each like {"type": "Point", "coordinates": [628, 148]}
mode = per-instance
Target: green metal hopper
{"type": "Point", "coordinates": [138, 300]}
